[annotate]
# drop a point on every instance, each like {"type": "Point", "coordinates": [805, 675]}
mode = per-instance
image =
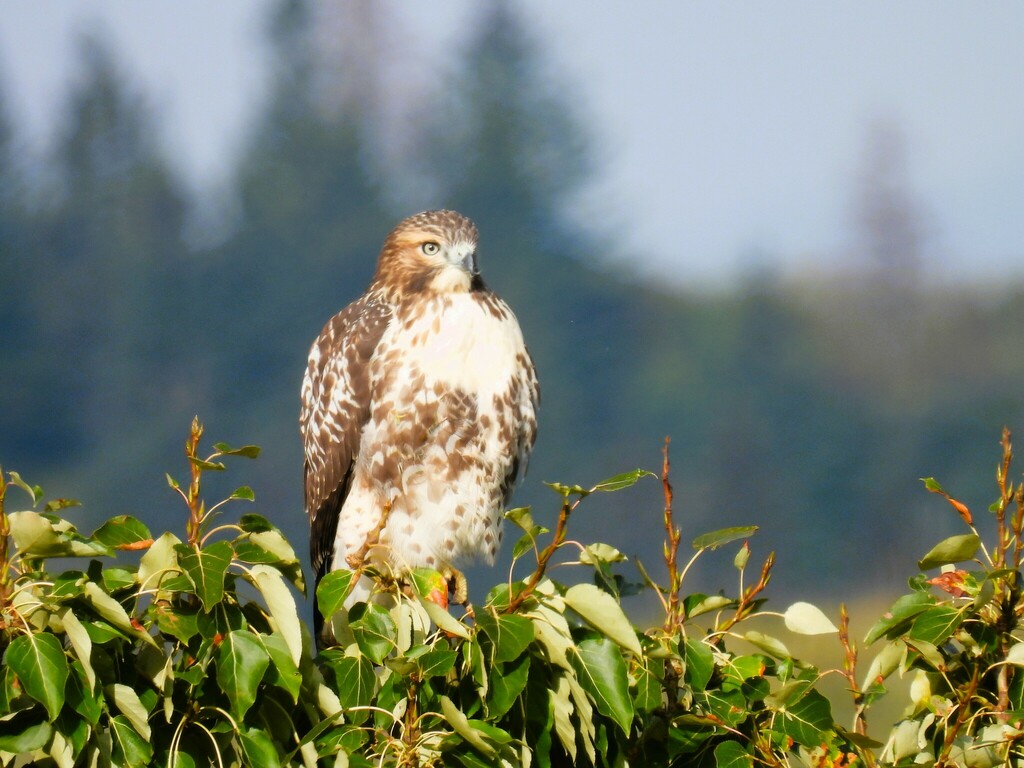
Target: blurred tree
{"type": "Point", "coordinates": [511, 154]}
{"type": "Point", "coordinates": [310, 223]}
{"type": "Point", "coordinates": [104, 251]}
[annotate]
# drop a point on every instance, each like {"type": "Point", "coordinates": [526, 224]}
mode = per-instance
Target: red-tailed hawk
{"type": "Point", "coordinates": [418, 411]}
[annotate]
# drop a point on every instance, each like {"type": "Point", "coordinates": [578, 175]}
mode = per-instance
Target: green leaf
{"type": "Point", "coordinates": [897, 618]}
{"type": "Point", "coordinates": [603, 612]}
{"type": "Point", "coordinates": [81, 696]}
{"type": "Point", "coordinates": [206, 569]}
{"type": "Point", "coordinates": [355, 681]}
{"type": "Point", "coordinates": [935, 624]}
{"type": "Point", "coordinates": [807, 619]}
{"type": "Point", "coordinates": [131, 706]}
{"type": "Point", "coordinates": [25, 741]}
{"type": "Point", "coordinates": [507, 683]}
{"type": "Point", "coordinates": [130, 749]}
{"type": "Point", "coordinates": [625, 480]}
{"type": "Point", "coordinates": [375, 632]}
{"type": "Point", "coordinates": [700, 663]}
{"type": "Point", "coordinates": [252, 523]}
{"type": "Point", "coordinates": [731, 754]}
{"type": "Point", "coordinates": [259, 748]}
{"type": "Point", "coordinates": [241, 662]}
{"type": "Point", "coordinates": [715, 539]}
{"type": "Point", "coordinates": [178, 621]}
{"type": "Point", "coordinates": [244, 493]}
{"type": "Point", "coordinates": [332, 591]}
{"type": "Point", "coordinates": [248, 451]}
{"type": "Point", "coordinates": [283, 671]}
{"type": "Point", "coordinates": [807, 719]}
{"type": "Point", "coordinates": [648, 689]}
{"type": "Point", "coordinates": [436, 662]}
{"type": "Point", "coordinates": [509, 635]}
{"type": "Point", "coordinates": [212, 466]}
{"type": "Point", "coordinates": [932, 485]}
{"type": "Point", "coordinates": [602, 673]}
{"type": "Point", "coordinates": [39, 662]}
{"type": "Point", "coordinates": [281, 606]}
{"type": "Point", "coordinates": [123, 532]}
{"type": "Point", "coordinates": [955, 549]}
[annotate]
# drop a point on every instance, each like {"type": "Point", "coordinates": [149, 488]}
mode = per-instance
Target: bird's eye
{"type": "Point", "coordinates": [431, 248]}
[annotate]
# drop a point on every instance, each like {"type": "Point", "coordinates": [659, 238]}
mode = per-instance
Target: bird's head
{"type": "Point", "coordinates": [431, 251]}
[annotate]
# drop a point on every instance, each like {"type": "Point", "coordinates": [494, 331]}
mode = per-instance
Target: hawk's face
{"type": "Point", "coordinates": [434, 250]}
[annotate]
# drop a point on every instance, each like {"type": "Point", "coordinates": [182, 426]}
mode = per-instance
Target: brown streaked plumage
{"type": "Point", "coordinates": [418, 411]}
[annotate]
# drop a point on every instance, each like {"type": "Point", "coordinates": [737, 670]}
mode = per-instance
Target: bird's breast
{"type": "Point", "coordinates": [464, 342]}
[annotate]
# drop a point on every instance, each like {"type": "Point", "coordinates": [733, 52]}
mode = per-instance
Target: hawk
{"type": "Point", "coordinates": [419, 411]}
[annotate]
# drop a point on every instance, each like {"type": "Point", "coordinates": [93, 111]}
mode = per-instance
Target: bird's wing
{"type": "Point", "coordinates": [335, 407]}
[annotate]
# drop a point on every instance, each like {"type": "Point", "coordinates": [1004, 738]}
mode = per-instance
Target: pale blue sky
{"type": "Point", "coordinates": [723, 129]}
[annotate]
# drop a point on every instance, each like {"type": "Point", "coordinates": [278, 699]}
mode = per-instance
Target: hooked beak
{"type": "Point", "coordinates": [469, 263]}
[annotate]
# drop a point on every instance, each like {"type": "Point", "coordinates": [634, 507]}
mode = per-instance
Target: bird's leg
{"type": "Point", "coordinates": [358, 558]}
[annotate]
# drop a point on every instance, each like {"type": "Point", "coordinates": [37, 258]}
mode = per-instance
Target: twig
{"type": "Point", "coordinates": [545, 556]}
{"type": "Point", "coordinates": [673, 617]}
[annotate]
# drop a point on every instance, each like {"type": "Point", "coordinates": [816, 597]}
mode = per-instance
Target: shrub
{"type": "Point", "coordinates": [193, 653]}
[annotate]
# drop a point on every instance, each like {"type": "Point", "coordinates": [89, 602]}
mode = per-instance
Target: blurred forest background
{"type": "Point", "coordinates": [809, 407]}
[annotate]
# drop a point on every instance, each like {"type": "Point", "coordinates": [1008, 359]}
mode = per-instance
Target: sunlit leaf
{"type": "Point", "coordinates": [807, 619]}
{"type": "Point", "coordinates": [159, 560]}
{"type": "Point", "coordinates": [129, 704]}
{"type": "Point", "coordinates": [715, 539]}
{"type": "Point", "coordinates": [768, 644]}
{"type": "Point", "coordinates": [461, 725]}
{"type": "Point", "coordinates": [38, 659]}
{"type": "Point", "coordinates": [624, 480]}
{"type": "Point", "coordinates": [955, 549]}
{"type": "Point", "coordinates": [603, 612]}
{"type": "Point", "coordinates": [443, 619]}
{"type": "Point", "coordinates": [34, 492]}
{"type": "Point", "coordinates": [241, 663]}
{"type": "Point", "coordinates": [81, 643]}
{"type": "Point", "coordinates": [698, 604]}
{"type": "Point", "coordinates": [281, 605]}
